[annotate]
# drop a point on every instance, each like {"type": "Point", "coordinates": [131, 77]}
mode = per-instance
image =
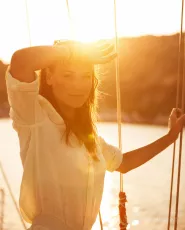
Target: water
{"type": "Point", "coordinates": [147, 187]}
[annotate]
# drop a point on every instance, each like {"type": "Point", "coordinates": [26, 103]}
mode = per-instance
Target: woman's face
{"type": "Point", "coordinates": [71, 83]}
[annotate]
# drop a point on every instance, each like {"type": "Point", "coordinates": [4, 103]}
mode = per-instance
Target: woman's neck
{"type": "Point", "coordinates": [66, 111]}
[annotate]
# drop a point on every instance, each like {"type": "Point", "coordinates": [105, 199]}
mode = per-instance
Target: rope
{"type": "Point", "coordinates": [181, 134]}
{"type": "Point", "coordinates": [2, 208]}
{"type": "Point", "coordinates": [180, 76]}
{"type": "Point", "coordinates": [27, 19]}
{"type": "Point", "coordinates": [70, 20]}
{"type": "Point", "coordinates": [12, 196]}
{"type": "Point", "coordinates": [118, 91]}
{"type": "Point", "coordinates": [122, 195]}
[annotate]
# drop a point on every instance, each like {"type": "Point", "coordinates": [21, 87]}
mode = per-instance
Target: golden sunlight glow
{"type": "Point", "coordinates": [91, 20]}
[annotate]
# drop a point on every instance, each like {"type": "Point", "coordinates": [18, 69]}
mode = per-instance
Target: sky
{"type": "Point", "coordinates": [43, 21]}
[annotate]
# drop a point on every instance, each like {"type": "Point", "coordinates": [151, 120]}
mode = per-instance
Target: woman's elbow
{"type": "Point", "coordinates": [17, 59]}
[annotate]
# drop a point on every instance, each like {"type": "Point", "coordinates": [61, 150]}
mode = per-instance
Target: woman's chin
{"type": "Point", "coordinates": [76, 105]}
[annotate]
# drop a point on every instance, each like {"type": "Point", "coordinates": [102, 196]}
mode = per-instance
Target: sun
{"type": "Point", "coordinates": [91, 20]}
{"type": "Point", "coordinates": [87, 22]}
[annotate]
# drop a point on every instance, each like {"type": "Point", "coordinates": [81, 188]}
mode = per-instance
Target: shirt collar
{"type": "Point", "coordinates": [53, 115]}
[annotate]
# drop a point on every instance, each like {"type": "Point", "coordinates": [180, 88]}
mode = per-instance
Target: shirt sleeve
{"type": "Point", "coordinates": [23, 100]}
{"type": "Point", "coordinates": [112, 155]}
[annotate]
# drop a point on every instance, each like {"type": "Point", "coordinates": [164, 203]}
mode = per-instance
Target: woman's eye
{"type": "Point", "coordinates": [67, 75]}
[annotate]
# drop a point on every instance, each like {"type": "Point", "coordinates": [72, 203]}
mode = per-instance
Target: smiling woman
{"type": "Point", "coordinates": [54, 117]}
{"type": "Point", "coordinates": [63, 156]}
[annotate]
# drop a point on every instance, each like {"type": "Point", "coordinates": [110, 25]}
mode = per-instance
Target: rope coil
{"type": "Point", "coordinates": [122, 211]}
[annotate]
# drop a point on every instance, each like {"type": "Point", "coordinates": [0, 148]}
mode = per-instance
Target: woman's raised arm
{"type": "Point", "coordinates": [26, 61]}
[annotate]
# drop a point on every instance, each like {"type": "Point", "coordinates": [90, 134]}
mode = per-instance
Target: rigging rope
{"type": "Point", "coordinates": [181, 134]}
{"type": "Point", "coordinates": [179, 104]}
{"type": "Point", "coordinates": [118, 91]}
{"type": "Point", "coordinates": [122, 195]}
{"type": "Point", "coordinates": [2, 208]}
{"type": "Point", "coordinates": [12, 196]}
{"type": "Point", "coordinates": [28, 24]}
{"type": "Point", "coordinates": [70, 21]}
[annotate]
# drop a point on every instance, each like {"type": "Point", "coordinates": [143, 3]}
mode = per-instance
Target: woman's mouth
{"type": "Point", "coordinates": [76, 95]}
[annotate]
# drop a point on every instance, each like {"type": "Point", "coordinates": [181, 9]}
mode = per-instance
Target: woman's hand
{"type": "Point", "coordinates": [95, 53]}
{"type": "Point", "coordinates": [175, 123]}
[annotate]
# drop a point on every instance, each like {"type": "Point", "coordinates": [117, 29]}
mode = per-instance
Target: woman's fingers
{"type": "Point", "coordinates": [181, 120]}
{"type": "Point", "coordinates": [104, 53]}
{"type": "Point", "coordinates": [102, 44]}
{"type": "Point", "coordinates": [176, 112]}
{"type": "Point", "coordinates": [109, 49]}
{"type": "Point", "coordinates": [179, 112]}
{"type": "Point", "coordinates": [176, 116]}
{"type": "Point", "coordinates": [95, 54]}
{"type": "Point", "coordinates": [106, 59]}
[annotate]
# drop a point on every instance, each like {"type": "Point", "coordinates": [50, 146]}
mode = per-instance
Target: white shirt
{"type": "Point", "coordinates": [58, 179]}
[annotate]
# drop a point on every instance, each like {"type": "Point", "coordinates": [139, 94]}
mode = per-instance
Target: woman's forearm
{"type": "Point", "coordinates": [25, 61]}
{"type": "Point", "coordinates": [138, 157]}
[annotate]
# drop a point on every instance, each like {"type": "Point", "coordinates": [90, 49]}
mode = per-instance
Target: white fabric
{"type": "Point", "coordinates": [58, 179]}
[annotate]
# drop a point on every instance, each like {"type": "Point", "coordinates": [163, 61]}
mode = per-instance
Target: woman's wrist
{"type": "Point", "coordinates": [62, 52]}
{"type": "Point", "coordinates": [170, 137]}
{"type": "Point", "coordinates": [64, 49]}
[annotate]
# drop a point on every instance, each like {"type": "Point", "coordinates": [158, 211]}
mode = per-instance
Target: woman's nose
{"type": "Point", "coordinates": [77, 84]}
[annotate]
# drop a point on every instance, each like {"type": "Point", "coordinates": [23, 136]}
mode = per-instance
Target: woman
{"type": "Point", "coordinates": [63, 157]}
